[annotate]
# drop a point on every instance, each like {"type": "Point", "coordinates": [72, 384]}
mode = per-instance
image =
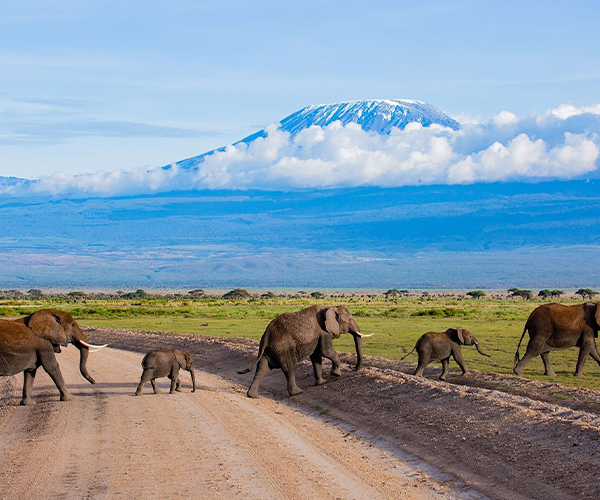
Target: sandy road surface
{"type": "Point", "coordinates": [213, 444]}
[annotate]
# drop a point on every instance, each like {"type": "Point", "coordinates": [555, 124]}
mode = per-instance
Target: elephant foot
{"type": "Point", "coordinates": [579, 374]}
{"type": "Point", "coordinates": [252, 394]}
{"type": "Point", "coordinates": [320, 381]}
{"type": "Point", "coordinates": [518, 371]}
{"type": "Point", "coordinates": [336, 373]}
{"type": "Point", "coordinates": [443, 379]}
{"type": "Point", "coordinates": [138, 393]}
{"type": "Point", "coordinates": [550, 374]}
{"type": "Point", "coordinates": [66, 397]}
{"type": "Point", "coordinates": [26, 401]}
{"type": "Point", "coordinates": [171, 392]}
{"type": "Point", "coordinates": [295, 392]}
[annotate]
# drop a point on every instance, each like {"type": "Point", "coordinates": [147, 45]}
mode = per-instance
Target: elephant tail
{"type": "Point", "coordinates": [261, 352]}
{"type": "Point", "coordinates": [517, 356]}
{"type": "Point", "coordinates": [413, 350]}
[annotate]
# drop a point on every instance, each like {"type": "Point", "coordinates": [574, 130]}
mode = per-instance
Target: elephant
{"type": "Point", "coordinates": [439, 346]}
{"type": "Point", "coordinates": [166, 363]}
{"type": "Point", "coordinates": [292, 337]}
{"type": "Point", "coordinates": [31, 341]}
{"type": "Point", "coordinates": [553, 327]}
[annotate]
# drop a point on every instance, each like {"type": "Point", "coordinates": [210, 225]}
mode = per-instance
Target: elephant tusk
{"type": "Point", "coordinates": [365, 335]}
{"type": "Point", "coordinates": [92, 346]}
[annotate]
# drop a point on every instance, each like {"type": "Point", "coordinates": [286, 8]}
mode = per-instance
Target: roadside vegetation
{"type": "Point", "coordinates": [398, 317]}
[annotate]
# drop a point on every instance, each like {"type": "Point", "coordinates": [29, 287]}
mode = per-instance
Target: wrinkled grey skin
{"type": "Point", "coordinates": [30, 342]}
{"type": "Point", "coordinates": [439, 346]}
{"type": "Point", "coordinates": [553, 327]}
{"type": "Point", "coordinates": [166, 363]}
{"type": "Point", "coordinates": [292, 337]}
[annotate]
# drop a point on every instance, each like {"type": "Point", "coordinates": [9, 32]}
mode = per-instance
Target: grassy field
{"type": "Point", "coordinates": [496, 322]}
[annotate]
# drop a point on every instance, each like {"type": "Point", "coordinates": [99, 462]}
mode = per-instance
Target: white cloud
{"type": "Point", "coordinates": [563, 143]}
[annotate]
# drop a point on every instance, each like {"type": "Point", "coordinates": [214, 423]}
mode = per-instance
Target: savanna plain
{"type": "Point", "coordinates": [375, 433]}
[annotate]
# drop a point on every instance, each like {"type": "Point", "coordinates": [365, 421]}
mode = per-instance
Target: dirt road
{"type": "Point", "coordinates": [213, 444]}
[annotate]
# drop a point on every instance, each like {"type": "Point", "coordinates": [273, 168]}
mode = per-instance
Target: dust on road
{"type": "Point", "coordinates": [213, 444]}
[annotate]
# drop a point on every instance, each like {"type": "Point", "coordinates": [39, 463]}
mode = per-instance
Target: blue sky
{"type": "Point", "coordinates": [101, 85]}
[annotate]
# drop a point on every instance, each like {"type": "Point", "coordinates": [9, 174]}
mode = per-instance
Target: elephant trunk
{"type": "Point", "coordinates": [193, 379]}
{"type": "Point", "coordinates": [358, 345]}
{"type": "Point", "coordinates": [480, 351]}
{"type": "Point", "coordinates": [79, 341]}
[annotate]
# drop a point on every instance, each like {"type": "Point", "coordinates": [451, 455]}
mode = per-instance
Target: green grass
{"type": "Point", "coordinates": [398, 323]}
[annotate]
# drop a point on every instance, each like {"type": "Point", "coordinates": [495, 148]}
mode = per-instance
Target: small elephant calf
{"type": "Point", "coordinates": [436, 346]}
{"type": "Point", "coordinates": [166, 363]}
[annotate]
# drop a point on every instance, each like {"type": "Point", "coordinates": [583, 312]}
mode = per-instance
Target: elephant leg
{"type": "Point", "coordinates": [28, 378]}
{"type": "Point", "coordinates": [317, 362]}
{"type": "Point", "coordinates": [520, 366]}
{"type": "Point", "coordinates": [445, 365]}
{"type": "Point", "coordinates": [178, 384]}
{"type": "Point", "coordinates": [261, 370]}
{"type": "Point", "coordinates": [50, 366]}
{"type": "Point", "coordinates": [146, 376]}
{"type": "Point", "coordinates": [457, 355]}
{"type": "Point", "coordinates": [423, 362]}
{"type": "Point", "coordinates": [174, 376]}
{"type": "Point", "coordinates": [154, 387]}
{"type": "Point", "coordinates": [595, 354]}
{"type": "Point", "coordinates": [548, 371]}
{"type": "Point", "coordinates": [584, 352]}
{"type": "Point", "coordinates": [330, 353]}
{"type": "Point", "coordinates": [289, 369]}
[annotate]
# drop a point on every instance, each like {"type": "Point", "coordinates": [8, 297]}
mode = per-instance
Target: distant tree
{"type": "Point", "coordinates": [198, 292]}
{"type": "Point", "coordinates": [237, 293]}
{"type": "Point", "coordinates": [476, 294]}
{"type": "Point", "coordinates": [556, 293]}
{"type": "Point", "coordinates": [393, 293]}
{"type": "Point", "coordinates": [138, 294]}
{"type": "Point", "coordinates": [525, 294]}
{"type": "Point", "coordinates": [302, 292]}
{"type": "Point", "coordinates": [317, 295]}
{"type": "Point", "coordinates": [268, 295]}
{"type": "Point", "coordinates": [77, 295]}
{"type": "Point", "coordinates": [544, 294]}
{"type": "Point", "coordinates": [586, 293]}
{"type": "Point", "coordinates": [35, 292]}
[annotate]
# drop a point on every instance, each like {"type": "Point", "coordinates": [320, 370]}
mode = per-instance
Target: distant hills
{"type": "Point", "coordinates": [481, 236]}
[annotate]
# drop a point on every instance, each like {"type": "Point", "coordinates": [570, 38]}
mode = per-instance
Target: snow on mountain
{"type": "Point", "coordinates": [373, 115]}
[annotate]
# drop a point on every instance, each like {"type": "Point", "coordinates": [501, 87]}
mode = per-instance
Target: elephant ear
{"type": "Point", "coordinates": [456, 335]}
{"type": "Point", "coordinates": [598, 314]}
{"type": "Point", "coordinates": [48, 326]}
{"type": "Point", "coordinates": [332, 324]}
{"type": "Point", "coordinates": [180, 358]}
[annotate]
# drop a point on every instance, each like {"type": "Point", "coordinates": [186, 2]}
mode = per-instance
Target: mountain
{"type": "Point", "coordinates": [373, 115]}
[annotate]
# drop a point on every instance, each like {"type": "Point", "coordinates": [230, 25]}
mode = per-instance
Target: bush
{"type": "Point", "coordinates": [237, 293]}
{"type": "Point", "coordinates": [476, 294]}
{"type": "Point", "coordinates": [586, 293]}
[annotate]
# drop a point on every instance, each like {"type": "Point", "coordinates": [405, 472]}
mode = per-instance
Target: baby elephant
{"type": "Point", "coordinates": [166, 363]}
{"type": "Point", "coordinates": [436, 346]}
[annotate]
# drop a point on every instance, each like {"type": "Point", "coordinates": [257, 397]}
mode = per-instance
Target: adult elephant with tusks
{"type": "Point", "coordinates": [32, 341]}
{"type": "Point", "coordinates": [292, 337]}
{"type": "Point", "coordinates": [553, 327]}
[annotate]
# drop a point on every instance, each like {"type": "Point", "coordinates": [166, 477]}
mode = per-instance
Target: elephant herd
{"type": "Point", "coordinates": [32, 341]}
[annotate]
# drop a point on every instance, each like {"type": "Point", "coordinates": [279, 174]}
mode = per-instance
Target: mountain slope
{"type": "Point", "coordinates": [373, 115]}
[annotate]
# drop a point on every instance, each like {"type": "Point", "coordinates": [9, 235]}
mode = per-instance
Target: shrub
{"type": "Point", "coordinates": [237, 293]}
